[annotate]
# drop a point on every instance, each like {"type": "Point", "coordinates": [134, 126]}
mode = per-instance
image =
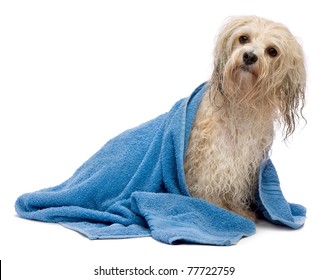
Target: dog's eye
{"type": "Point", "coordinates": [243, 39]}
{"type": "Point", "coordinates": [272, 52]}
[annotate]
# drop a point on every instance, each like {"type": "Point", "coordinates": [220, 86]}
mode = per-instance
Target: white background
{"type": "Point", "coordinates": [73, 74]}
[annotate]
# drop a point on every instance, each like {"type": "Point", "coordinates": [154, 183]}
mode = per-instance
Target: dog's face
{"type": "Point", "coordinates": [258, 61]}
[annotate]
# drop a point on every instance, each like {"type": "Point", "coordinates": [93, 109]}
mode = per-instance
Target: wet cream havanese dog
{"type": "Point", "coordinates": [258, 82]}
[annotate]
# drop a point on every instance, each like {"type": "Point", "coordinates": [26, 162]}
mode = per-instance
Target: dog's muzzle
{"type": "Point", "coordinates": [249, 58]}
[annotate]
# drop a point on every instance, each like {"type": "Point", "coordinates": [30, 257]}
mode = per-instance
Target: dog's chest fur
{"type": "Point", "coordinates": [225, 149]}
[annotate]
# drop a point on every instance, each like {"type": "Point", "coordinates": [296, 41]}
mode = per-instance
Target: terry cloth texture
{"type": "Point", "coordinates": [134, 186]}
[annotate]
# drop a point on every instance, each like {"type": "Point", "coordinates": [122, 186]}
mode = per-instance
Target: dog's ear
{"type": "Point", "coordinates": [224, 42]}
{"type": "Point", "coordinates": [223, 49]}
{"type": "Point", "coordinates": [292, 91]}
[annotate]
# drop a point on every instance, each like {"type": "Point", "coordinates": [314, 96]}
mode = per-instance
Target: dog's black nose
{"type": "Point", "coordinates": [249, 58]}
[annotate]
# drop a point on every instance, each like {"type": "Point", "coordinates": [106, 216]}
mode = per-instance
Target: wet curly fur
{"type": "Point", "coordinates": [258, 83]}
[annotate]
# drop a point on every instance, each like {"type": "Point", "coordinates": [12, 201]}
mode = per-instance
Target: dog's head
{"type": "Point", "coordinates": [259, 63]}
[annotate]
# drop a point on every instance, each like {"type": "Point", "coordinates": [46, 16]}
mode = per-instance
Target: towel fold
{"type": "Point", "coordinates": [134, 186]}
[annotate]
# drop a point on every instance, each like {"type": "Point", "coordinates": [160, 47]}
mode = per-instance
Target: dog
{"type": "Point", "coordinates": [257, 86]}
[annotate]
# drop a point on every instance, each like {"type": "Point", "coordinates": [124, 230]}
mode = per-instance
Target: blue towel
{"type": "Point", "coordinates": [134, 186]}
